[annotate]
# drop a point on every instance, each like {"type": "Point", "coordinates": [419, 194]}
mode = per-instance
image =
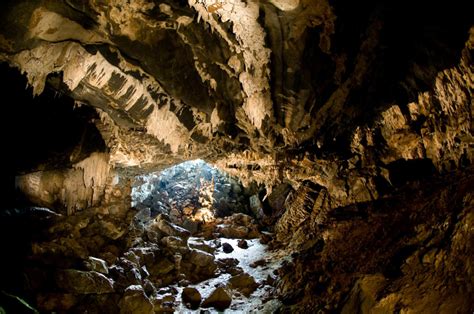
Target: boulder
{"type": "Point", "coordinates": [191, 298]}
{"type": "Point", "coordinates": [135, 300]}
{"type": "Point", "coordinates": [201, 245]}
{"type": "Point", "coordinates": [201, 258]}
{"type": "Point", "coordinates": [132, 257]}
{"type": "Point", "coordinates": [168, 228]}
{"type": "Point", "coordinates": [233, 231]}
{"type": "Point", "coordinates": [145, 254]}
{"type": "Point", "coordinates": [220, 299]}
{"type": "Point", "coordinates": [84, 282]}
{"type": "Point", "coordinates": [162, 267]}
{"type": "Point", "coordinates": [173, 242]}
{"type": "Point", "coordinates": [96, 264]}
{"type": "Point", "coordinates": [227, 248]}
{"type": "Point", "coordinates": [244, 283]}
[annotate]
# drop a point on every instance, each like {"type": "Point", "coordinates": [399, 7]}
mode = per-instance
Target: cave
{"type": "Point", "coordinates": [237, 156]}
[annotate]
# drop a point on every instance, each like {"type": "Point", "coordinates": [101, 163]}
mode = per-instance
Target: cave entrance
{"type": "Point", "coordinates": [190, 193]}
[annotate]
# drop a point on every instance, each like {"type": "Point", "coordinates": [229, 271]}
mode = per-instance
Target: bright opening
{"type": "Point", "coordinates": [190, 193]}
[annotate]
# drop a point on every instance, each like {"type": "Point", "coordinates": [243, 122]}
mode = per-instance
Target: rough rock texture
{"type": "Point", "coordinates": [349, 124]}
{"type": "Point", "coordinates": [76, 281]}
{"type": "Point", "coordinates": [220, 299]}
{"type": "Point", "coordinates": [191, 297]}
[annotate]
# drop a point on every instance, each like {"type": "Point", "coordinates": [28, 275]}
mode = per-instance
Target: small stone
{"type": "Point", "coordinates": [260, 262]}
{"type": "Point", "coordinates": [227, 248]}
{"type": "Point", "coordinates": [242, 244]}
{"type": "Point", "coordinates": [191, 298]}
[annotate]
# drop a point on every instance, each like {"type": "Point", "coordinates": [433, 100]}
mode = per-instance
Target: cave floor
{"type": "Point", "coordinates": [258, 262]}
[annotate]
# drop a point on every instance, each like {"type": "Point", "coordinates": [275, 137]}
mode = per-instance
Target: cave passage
{"type": "Point", "coordinates": [328, 148]}
{"type": "Point", "coordinates": [190, 192]}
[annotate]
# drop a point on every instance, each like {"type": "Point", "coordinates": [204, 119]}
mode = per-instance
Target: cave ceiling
{"type": "Point", "coordinates": [176, 80]}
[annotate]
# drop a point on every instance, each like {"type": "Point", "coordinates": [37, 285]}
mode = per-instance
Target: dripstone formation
{"type": "Point", "coordinates": [345, 131]}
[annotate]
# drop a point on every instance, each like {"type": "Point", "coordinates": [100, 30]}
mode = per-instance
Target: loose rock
{"type": "Point", "coordinates": [220, 299]}
{"type": "Point", "coordinates": [227, 248]}
{"type": "Point", "coordinates": [191, 298]}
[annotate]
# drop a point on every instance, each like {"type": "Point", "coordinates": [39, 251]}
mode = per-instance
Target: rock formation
{"type": "Point", "coordinates": [345, 129]}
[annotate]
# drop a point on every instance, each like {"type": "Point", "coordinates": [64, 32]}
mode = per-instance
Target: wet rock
{"type": "Point", "coordinates": [201, 258]}
{"type": "Point", "coordinates": [96, 264]}
{"type": "Point", "coordinates": [243, 244]}
{"type": "Point", "coordinates": [220, 299]}
{"type": "Point", "coordinates": [227, 248]}
{"type": "Point", "coordinates": [191, 298]}
{"type": "Point", "coordinates": [135, 301]}
{"type": "Point", "coordinates": [84, 282]}
{"type": "Point", "coordinates": [244, 283]}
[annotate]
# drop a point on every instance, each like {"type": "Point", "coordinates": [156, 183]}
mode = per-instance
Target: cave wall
{"type": "Point", "coordinates": [354, 110]}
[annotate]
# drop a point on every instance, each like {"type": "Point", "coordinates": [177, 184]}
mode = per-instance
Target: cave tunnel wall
{"type": "Point", "coordinates": [41, 133]}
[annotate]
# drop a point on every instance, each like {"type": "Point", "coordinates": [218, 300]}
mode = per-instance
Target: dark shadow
{"type": "Point", "coordinates": [404, 171]}
{"type": "Point", "coordinates": [40, 132]}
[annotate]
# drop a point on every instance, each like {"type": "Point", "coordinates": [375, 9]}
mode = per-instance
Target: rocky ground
{"type": "Point", "coordinates": [349, 124]}
{"type": "Point", "coordinates": [97, 263]}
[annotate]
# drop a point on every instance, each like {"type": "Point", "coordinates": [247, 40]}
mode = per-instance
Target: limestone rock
{"type": "Point", "coordinates": [135, 300]}
{"type": "Point", "coordinates": [174, 242]}
{"type": "Point", "coordinates": [220, 299]}
{"type": "Point", "coordinates": [82, 282]}
{"type": "Point", "coordinates": [201, 245]}
{"type": "Point", "coordinates": [244, 283]}
{"type": "Point", "coordinates": [96, 264]}
{"type": "Point", "coordinates": [228, 231]}
{"type": "Point", "coordinates": [191, 298]}
{"type": "Point", "coordinates": [168, 228]}
{"type": "Point", "coordinates": [201, 258]}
